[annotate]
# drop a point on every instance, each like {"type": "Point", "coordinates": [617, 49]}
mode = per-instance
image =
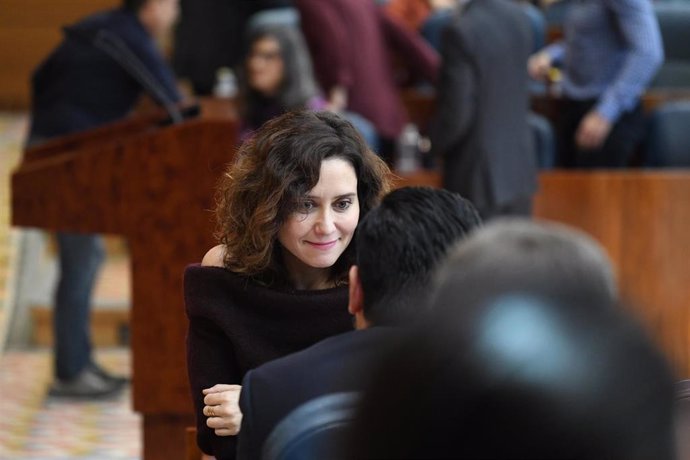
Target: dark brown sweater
{"type": "Point", "coordinates": [236, 324]}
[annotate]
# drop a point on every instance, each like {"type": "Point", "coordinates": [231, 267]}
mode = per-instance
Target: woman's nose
{"type": "Point", "coordinates": [325, 224]}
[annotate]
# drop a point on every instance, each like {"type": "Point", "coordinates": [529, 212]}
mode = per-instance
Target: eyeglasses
{"type": "Point", "coordinates": [265, 55]}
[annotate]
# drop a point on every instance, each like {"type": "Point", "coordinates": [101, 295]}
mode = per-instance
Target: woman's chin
{"type": "Point", "coordinates": [323, 262]}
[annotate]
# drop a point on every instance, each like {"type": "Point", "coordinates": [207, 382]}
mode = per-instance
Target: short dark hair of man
{"type": "Point", "coordinates": [400, 244]}
{"type": "Point", "coordinates": [133, 5]}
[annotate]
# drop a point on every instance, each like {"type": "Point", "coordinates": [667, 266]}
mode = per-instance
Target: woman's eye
{"type": "Point", "coordinates": [342, 205]}
{"type": "Point", "coordinates": [306, 206]}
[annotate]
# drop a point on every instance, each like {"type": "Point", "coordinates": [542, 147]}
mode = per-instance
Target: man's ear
{"type": "Point", "coordinates": [356, 301]}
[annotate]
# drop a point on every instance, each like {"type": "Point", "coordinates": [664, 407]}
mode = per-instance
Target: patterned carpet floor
{"type": "Point", "coordinates": [33, 427]}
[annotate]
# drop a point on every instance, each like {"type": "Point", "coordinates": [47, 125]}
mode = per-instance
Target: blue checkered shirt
{"type": "Point", "coordinates": [610, 52]}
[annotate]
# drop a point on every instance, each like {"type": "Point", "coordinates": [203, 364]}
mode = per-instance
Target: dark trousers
{"type": "Point", "coordinates": [618, 147]}
{"type": "Point", "coordinates": [81, 255]}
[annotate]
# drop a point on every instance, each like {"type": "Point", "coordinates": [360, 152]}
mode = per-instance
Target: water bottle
{"type": "Point", "coordinates": [226, 84]}
{"type": "Point", "coordinates": [407, 153]}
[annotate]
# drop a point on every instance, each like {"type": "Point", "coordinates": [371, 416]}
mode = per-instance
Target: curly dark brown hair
{"type": "Point", "coordinates": [271, 173]}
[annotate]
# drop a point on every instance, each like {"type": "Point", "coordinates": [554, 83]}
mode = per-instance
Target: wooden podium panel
{"type": "Point", "coordinates": [642, 218]}
{"type": "Point", "coordinates": [154, 185]}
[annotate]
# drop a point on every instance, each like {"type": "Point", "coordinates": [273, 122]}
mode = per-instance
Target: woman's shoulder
{"type": "Point", "coordinates": [212, 272]}
{"type": "Point", "coordinates": [214, 257]}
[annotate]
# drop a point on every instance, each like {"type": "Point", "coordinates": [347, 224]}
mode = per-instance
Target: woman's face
{"type": "Point", "coordinates": [320, 230]}
{"type": "Point", "coordinates": [265, 66]}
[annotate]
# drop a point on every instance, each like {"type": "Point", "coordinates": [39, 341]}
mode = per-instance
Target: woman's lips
{"type": "Point", "coordinates": [322, 246]}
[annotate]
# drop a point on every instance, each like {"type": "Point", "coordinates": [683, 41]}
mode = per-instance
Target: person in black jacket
{"type": "Point", "coordinates": [95, 76]}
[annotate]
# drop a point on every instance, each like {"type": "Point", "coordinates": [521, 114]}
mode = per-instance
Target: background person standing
{"type": "Point", "coordinates": [611, 51]}
{"type": "Point", "coordinates": [95, 76]}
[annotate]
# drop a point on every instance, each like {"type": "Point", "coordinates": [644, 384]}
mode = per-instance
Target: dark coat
{"type": "Point", "coordinates": [481, 131]}
{"type": "Point", "coordinates": [337, 364]}
{"type": "Point", "coordinates": [80, 86]}
{"type": "Point", "coordinates": [236, 324]}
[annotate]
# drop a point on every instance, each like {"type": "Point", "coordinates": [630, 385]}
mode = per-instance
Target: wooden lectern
{"type": "Point", "coordinates": [154, 185]}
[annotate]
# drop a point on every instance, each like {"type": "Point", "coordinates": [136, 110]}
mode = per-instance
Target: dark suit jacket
{"type": "Point", "coordinates": [273, 390]}
{"type": "Point", "coordinates": [481, 129]}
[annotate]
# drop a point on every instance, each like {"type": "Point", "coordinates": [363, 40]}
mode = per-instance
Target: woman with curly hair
{"type": "Point", "coordinates": [287, 209]}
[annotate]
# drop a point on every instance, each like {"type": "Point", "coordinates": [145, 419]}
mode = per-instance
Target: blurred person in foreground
{"type": "Point", "coordinates": [526, 355]}
{"type": "Point", "coordinates": [95, 76]}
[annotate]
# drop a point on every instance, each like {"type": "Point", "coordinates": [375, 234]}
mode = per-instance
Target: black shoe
{"type": "Point", "coordinates": [120, 379]}
{"type": "Point", "coordinates": [87, 385]}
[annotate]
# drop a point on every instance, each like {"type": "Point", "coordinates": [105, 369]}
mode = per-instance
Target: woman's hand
{"type": "Point", "coordinates": [222, 409]}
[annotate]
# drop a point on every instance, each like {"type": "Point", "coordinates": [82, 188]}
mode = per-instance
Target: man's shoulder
{"type": "Point", "coordinates": [336, 364]}
{"type": "Point", "coordinates": [309, 356]}
{"type": "Point", "coordinates": [335, 351]}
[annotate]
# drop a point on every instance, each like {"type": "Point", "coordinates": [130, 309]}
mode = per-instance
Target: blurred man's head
{"type": "Point", "coordinates": [399, 245]}
{"type": "Point", "coordinates": [542, 258]}
{"type": "Point", "coordinates": [157, 16]}
{"type": "Point", "coordinates": [526, 354]}
{"type": "Point", "coordinates": [524, 377]}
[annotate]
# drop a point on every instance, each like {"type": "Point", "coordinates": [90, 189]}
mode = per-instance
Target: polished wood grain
{"type": "Point", "coordinates": [192, 451]}
{"type": "Point", "coordinates": [154, 185]}
{"type": "Point", "coordinates": [642, 218]}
